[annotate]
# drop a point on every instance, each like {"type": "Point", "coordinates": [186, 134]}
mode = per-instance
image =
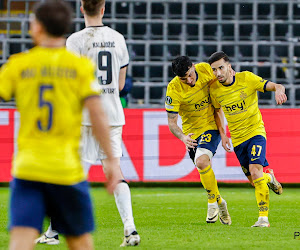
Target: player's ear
{"type": "Point", "coordinates": [81, 10]}
{"type": "Point", "coordinates": [102, 10]}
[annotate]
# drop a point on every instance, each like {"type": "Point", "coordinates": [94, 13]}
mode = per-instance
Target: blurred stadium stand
{"type": "Point", "coordinates": [260, 36]}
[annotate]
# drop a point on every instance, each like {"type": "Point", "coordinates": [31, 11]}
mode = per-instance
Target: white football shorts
{"type": "Point", "coordinates": [91, 151]}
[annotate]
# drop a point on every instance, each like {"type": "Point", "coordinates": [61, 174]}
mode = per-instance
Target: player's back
{"type": "Point", "coordinates": [107, 49]}
{"type": "Point", "coordinates": [49, 85]}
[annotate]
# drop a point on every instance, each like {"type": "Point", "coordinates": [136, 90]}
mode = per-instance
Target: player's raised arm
{"type": "Point", "coordinates": [101, 131]}
{"type": "Point", "coordinates": [279, 89]}
{"type": "Point", "coordinates": [176, 130]}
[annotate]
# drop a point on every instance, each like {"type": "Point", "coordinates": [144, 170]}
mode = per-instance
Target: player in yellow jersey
{"type": "Point", "coordinates": [202, 127]}
{"type": "Point", "coordinates": [237, 95]}
{"type": "Point", "coordinates": [51, 86]}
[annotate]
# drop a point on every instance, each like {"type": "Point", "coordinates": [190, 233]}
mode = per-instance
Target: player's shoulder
{"type": "Point", "coordinates": [23, 58]}
{"type": "Point", "coordinates": [77, 35]}
{"type": "Point", "coordinates": [23, 55]}
{"type": "Point", "coordinates": [213, 86]}
{"type": "Point", "coordinates": [203, 68]}
{"type": "Point", "coordinates": [244, 75]}
{"type": "Point", "coordinates": [109, 29]}
{"type": "Point", "coordinates": [174, 85]}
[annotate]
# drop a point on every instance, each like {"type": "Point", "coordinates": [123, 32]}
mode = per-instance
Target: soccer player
{"type": "Point", "coordinates": [237, 95]}
{"type": "Point", "coordinates": [107, 48]}
{"type": "Point", "coordinates": [202, 127]}
{"type": "Point", "coordinates": [51, 86]}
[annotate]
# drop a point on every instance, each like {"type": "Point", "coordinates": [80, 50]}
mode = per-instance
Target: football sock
{"type": "Point", "coordinates": [50, 232]}
{"type": "Point", "coordinates": [268, 178]}
{"type": "Point", "coordinates": [209, 182]}
{"type": "Point", "coordinates": [262, 196]}
{"type": "Point", "coordinates": [123, 202]}
{"type": "Point", "coordinates": [264, 218]}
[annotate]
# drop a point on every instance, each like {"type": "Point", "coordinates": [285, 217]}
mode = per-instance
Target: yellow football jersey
{"type": "Point", "coordinates": [49, 86]}
{"type": "Point", "coordinates": [240, 105]}
{"type": "Point", "coordinates": [193, 104]}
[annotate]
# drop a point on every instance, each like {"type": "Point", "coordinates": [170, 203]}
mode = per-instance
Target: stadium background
{"type": "Point", "coordinates": [259, 36]}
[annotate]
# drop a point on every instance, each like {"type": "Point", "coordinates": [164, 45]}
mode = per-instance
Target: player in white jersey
{"type": "Point", "coordinates": [107, 48]}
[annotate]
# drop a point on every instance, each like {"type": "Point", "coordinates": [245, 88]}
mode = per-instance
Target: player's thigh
{"type": "Point", "coordinates": [27, 204]}
{"type": "Point", "coordinates": [89, 146]}
{"type": "Point", "coordinates": [116, 143]}
{"type": "Point", "coordinates": [70, 208]}
{"type": "Point", "coordinates": [242, 155]}
{"type": "Point", "coordinates": [208, 143]}
{"type": "Point", "coordinates": [256, 150]}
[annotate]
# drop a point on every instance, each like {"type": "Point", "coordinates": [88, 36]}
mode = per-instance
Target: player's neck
{"type": "Point", "coordinates": [229, 81]}
{"type": "Point", "coordinates": [52, 42]}
{"type": "Point", "coordinates": [93, 21]}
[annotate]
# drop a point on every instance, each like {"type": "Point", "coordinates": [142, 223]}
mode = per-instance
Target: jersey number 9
{"type": "Point", "coordinates": [104, 65]}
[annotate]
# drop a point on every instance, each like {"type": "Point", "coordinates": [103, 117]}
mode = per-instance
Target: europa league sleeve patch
{"type": "Point", "coordinates": [168, 100]}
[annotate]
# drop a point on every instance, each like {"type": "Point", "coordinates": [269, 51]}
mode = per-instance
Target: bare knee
{"type": "Point", "coordinates": [256, 171]}
{"type": "Point", "coordinates": [22, 238]}
{"type": "Point", "coordinates": [202, 162]}
{"type": "Point", "coordinates": [82, 242]}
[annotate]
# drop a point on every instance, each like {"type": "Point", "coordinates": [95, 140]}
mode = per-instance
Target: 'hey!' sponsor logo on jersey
{"type": "Point", "coordinates": [205, 102]}
{"type": "Point", "coordinates": [241, 106]}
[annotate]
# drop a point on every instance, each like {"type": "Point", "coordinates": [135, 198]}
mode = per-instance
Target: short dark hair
{"type": "Point", "coordinates": [92, 7]}
{"type": "Point", "coordinates": [218, 56]}
{"type": "Point", "coordinates": [181, 65]}
{"type": "Point", "coordinates": [55, 16]}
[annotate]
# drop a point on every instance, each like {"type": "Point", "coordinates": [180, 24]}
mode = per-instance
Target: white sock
{"type": "Point", "coordinates": [215, 204]}
{"type": "Point", "coordinates": [264, 218]}
{"type": "Point", "coordinates": [272, 180]}
{"type": "Point", "coordinates": [51, 233]}
{"type": "Point", "coordinates": [123, 202]}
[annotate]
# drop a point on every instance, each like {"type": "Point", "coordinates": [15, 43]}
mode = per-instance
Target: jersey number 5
{"type": "Point", "coordinates": [104, 65]}
{"type": "Point", "coordinates": [47, 104]}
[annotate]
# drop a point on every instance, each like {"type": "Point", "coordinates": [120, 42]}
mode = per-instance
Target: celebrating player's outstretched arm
{"type": "Point", "coordinates": [279, 89]}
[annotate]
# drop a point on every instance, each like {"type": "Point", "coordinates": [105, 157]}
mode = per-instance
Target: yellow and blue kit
{"type": "Point", "coordinates": [49, 86]}
{"type": "Point", "coordinates": [193, 104]}
{"type": "Point", "coordinates": [239, 102]}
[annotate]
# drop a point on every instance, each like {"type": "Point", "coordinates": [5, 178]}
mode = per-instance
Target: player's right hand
{"type": "Point", "coordinates": [226, 143]}
{"type": "Point", "coordinates": [189, 142]}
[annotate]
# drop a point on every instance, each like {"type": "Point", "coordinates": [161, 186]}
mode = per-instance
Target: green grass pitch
{"type": "Point", "coordinates": [174, 218]}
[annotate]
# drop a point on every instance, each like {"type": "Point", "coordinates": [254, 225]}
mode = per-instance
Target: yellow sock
{"type": "Point", "coordinates": [267, 177]}
{"type": "Point", "coordinates": [262, 196]}
{"type": "Point", "coordinates": [209, 182]}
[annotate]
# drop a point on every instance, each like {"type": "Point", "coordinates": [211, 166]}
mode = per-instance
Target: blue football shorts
{"type": "Point", "coordinates": [252, 151]}
{"type": "Point", "coordinates": [210, 140]}
{"type": "Point", "coordinates": [69, 207]}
